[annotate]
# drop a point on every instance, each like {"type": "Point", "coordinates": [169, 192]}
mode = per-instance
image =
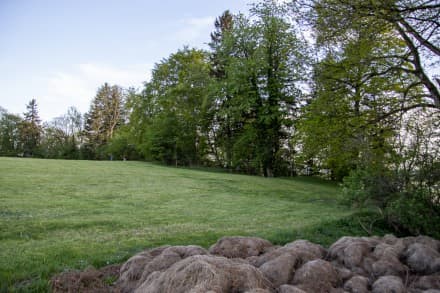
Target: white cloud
{"type": "Point", "coordinates": [78, 86]}
{"type": "Point", "coordinates": [192, 30]}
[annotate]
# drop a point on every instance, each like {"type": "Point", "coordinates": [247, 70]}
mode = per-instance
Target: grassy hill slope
{"type": "Point", "coordinates": [57, 215]}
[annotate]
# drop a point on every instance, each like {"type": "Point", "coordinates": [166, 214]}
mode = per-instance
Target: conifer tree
{"type": "Point", "coordinates": [30, 129]}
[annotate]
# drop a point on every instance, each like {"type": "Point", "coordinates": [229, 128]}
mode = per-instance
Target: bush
{"type": "Point", "coordinates": [371, 187]}
{"type": "Point", "coordinates": [408, 201]}
{"type": "Point", "coordinates": [416, 213]}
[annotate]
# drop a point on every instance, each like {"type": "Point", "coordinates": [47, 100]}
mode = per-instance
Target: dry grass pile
{"type": "Point", "coordinates": [250, 264]}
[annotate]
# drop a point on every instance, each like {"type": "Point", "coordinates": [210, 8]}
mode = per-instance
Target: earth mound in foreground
{"type": "Point", "coordinates": [250, 264]}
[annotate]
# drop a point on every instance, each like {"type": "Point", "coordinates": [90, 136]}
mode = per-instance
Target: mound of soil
{"type": "Point", "coordinates": [251, 264]}
{"type": "Point", "coordinates": [88, 281]}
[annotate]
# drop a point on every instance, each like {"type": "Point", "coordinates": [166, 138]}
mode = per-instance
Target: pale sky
{"type": "Point", "coordinates": [60, 51]}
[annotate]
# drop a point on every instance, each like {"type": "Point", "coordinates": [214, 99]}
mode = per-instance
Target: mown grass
{"type": "Point", "coordinates": [58, 215]}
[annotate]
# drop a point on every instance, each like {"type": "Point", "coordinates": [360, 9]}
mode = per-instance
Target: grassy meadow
{"type": "Point", "coordinates": [59, 215]}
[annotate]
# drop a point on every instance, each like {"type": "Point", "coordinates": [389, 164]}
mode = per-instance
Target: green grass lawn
{"type": "Point", "coordinates": [57, 215]}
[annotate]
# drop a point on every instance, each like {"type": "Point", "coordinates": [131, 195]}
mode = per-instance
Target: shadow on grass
{"type": "Point", "coordinates": [298, 178]}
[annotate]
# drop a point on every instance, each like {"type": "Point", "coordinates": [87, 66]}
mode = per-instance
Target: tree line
{"type": "Point", "coordinates": [70, 136]}
{"type": "Point", "coordinates": [336, 88]}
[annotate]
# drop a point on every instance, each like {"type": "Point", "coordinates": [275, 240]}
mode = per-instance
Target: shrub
{"type": "Point", "coordinates": [415, 212]}
{"type": "Point", "coordinates": [371, 187]}
{"type": "Point", "coordinates": [408, 201]}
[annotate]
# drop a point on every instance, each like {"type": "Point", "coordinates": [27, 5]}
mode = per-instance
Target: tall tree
{"type": "Point", "coordinates": [106, 114]}
{"type": "Point", "coordinates": [10, 133]}
{"type": "Point", "coordinates": [31, 129]}
{"type": "Point", "coordinates": [171, 111]}
{"type": "Point", "coordinates": [74, 122]}
{"type": "Point", "coordinates": [61, 138]}
{"type": "Point", "coordinates": [262, 74]}
{"type": "Point", "coordinates": [222, 25]}
{"type": "Point", "coordinates": [223, 129]}
{"type": "Point", "coordinates": [341, 126]}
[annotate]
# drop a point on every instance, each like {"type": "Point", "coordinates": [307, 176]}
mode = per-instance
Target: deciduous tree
{"type": "Point", "coordinates": [106, 114]}
{"type": "Point", "coordinates": [414, 22]}
{"type": "Point", "coordinates": [10, 144]}
{"type": "Point", "coordinates": [262, 74]}
{"type": "Point", "coordinates": [170, 114]}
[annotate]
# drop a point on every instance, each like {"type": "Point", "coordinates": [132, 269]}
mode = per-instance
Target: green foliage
{"type": "Point", "coordinates": [61, 137]}
{"type": "Point", "coordinates": [120, 146]}
{"type": "Point", "coordinates": [408, 208]}
{"type": "Point", "coordinates": [416, 212]}
{"type": "Point", "coordinates": [407, 197]}
{"type": "Point", "coordinates": [358, 121]}
{"type": "Point", "coordinates": [56, 145]}
{"type": "Point", "coordinates": [371, 186]}
{"type": "Point", "coordinates": [412, 22]}
{"type": "Point", "coordinates": [354, 190]}
{"type": "Point", "coordinates": [30, 130]}
{"type": "Point", "coordinates": [10, 139]}
{"type": "Point", "coordinates": [245, 151]}
{"type": "Point", "coordinates": [344, 124]}
{"type": "Point", "coordinates": [168, 120]}
{"type": "Point", "coordinates": [105, 116]}
{"type": "Point", "coordinates": [259, 62]}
